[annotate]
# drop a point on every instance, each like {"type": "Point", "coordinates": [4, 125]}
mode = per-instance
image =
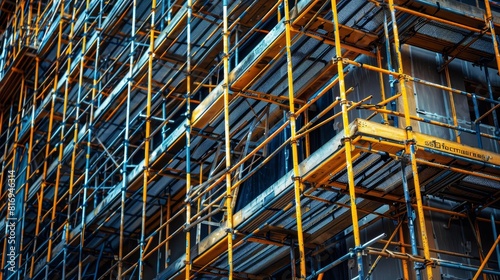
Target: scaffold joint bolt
{"type": "Point", "coordinates": [403, 77]}
{"type": "Point", "coordinates": [430, 263]}
{"type": "Point", "coordinates": [297, 178]}
{"type": "Point", "coordinates": [345, 139]}
{"type": "Point", "coordinates": [404, 159]}
{"type": "Point", "coordinates": [338, 59]}
{"type": "Point", "coordinates": [410, 141]}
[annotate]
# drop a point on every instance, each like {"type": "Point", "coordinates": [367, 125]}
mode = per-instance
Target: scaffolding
{"type": "Point", "coordinates": [253, 139]}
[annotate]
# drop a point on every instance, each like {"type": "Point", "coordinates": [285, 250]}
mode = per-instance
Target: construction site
{"type": "Point", "coordinates": [247, 139]}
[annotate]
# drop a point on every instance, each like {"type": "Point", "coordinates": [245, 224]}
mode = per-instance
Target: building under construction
{"type": "Point", "coordinates": [249, 139]}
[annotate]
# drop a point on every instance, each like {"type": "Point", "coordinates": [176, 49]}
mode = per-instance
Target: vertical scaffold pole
{"type": "Point", "coordinates": [28, 24]}
{"type": "Point", "coordinates": [410, 143]}
{"type": "Point", "coordinates": [42, 187]}
{"type": "Point", "coordinates": [15, 34]}
{"type": "Point", "coordinates": [2, 111]}
{"type": "Point", "coordinates": [75, 138]}
{"type": "Point", "coordinates": [307, 138]}
{"type": "Point", "coordinates": [30, 151]}
{"type": "Point", "coordinates": [147, 141]}
{"type": "Point", "coordinates": [37, 23]}
{"type": "Point", "coordinates": [169, 11]}
{"type": "Point", "coordinates": [293, 143]}
{"type": "Point", "coordinates": [410, 217]}
{"type": "Point", "coordinates": [2, 172]}
{"type": "Point", "coordinates": [18, 122]}
{"type": "Point", "coordinates": [188, 140]}
{"type": "Point", "coordinates": [1, 127]}
{"type": "Point", "coordinates": [489, 22]}
{"type": "Point", "coordinates": [490, 94]}
{"type": "Point", "coordinates": [347, 141]}
{"type": "Point", "coordinates": [47, 145]}
{"type": "Point", "coordinates": [14, 155]}
{"type": "Point", "coordinates": [382, 85]}
{"type": "Point", "coordinates": [477, 123]}
{"type": "Point", "coordinates": [21, 27]}
{"type": "Point", "coordinates": [89, 139]}
{"type": "Point", "coordinates": [389, 67]}
{"type": "Point", "coordinates": [494, 231]}
{"type": "Point", "coordinates": [167, 230]}
{"type": "Point", "coordinates": [126, 141]}
{"type": "Point", "coordinates": [229, 196]}
{"type": "Point", "coordinates": [61, 145]}
{"type": "Point", "coordinates": [452, 102]}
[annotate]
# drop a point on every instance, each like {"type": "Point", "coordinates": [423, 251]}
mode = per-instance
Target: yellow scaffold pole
{"type": "Point", "coordinates": [489, 22]}
{"type": "Point", "coordinates": [347, 141]}
{"type": "Point", "coordinates": [382, 84]}
{"type": "Point", "coordinates": [47, 146]}
{"type": "Point", "coordinates": [187, 260]}
{"type": "Point", "coordinates": [452, 102]}
{"type": "Point", "coordinates": [293, 143]}
{"type": "Point", "coordinates": [30, 150]}
{"type": "Point", "coordinates": [61, 145]}
{"type": "Point", "coordinates": [229, 196]}
{"type": "Point", "coordinates": [410, 143]}
{"type": "Point", "coordinates": [147, 141]}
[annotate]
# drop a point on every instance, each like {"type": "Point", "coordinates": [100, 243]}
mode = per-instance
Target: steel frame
{"type": "Point", "coordinates": [130, 141]}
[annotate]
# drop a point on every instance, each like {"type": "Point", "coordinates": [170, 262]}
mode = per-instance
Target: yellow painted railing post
{"type": "Point", "coordinates": [347, 141]}
{"type": "Point", "coordinates": [61, 145]}
{"type": "Point", "coordinates": [227, 139]}
{"type": "Point", "coordinates": [30, 151]}
{"type": "Point", "coordinates": [293, 142]}
{"type": "Point", "coordinates": [47, 145]}
{"type": "Point", "coordinates": [491, 26]}
{"type": "Point", "coordinates": [147, 140]}
{"type": "Point", "coordinates": [75, 144]}
{"type": "Point", "coordinates": [187, 260]}
{"type": "Point", "coordinates": [410, 145]}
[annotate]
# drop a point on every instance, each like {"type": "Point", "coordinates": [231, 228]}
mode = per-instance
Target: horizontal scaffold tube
{"type": "Point", "coordinates": [347, 256]}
